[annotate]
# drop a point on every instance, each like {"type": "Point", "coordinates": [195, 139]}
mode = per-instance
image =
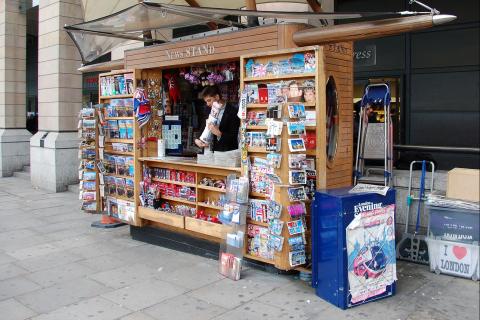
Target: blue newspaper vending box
{"type": "Point", "coordinates": [353, 246]}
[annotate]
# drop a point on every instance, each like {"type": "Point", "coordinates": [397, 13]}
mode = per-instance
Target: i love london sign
{"type": "Point", "coordinates": [454, 258]}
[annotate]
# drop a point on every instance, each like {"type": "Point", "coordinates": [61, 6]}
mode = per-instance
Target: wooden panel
{"type": "Point", "coordinates": [225, 43]}
{"type": "Point", "coordinates": [204, 227]}
{"type": "Point", "coordinates": [226, 46]}
{"type": "Point", "coordinates": [226, 52]}
{"type": "Point", "coordinates": [339, 65]}
{"type": "Point", "coordinates": [189, 166]}
{"type": "Point", "coordinates": [285, 36]}
{"type": "Point", "coordinates": [190, 233]}
{"type": "Point", "coordinates": [162, 217]}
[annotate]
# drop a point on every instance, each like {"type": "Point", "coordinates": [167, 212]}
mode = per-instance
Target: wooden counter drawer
{"type": "Point", "coordinates": [204, 227]}
{"type": "Point", "coordinates": [163, 217]}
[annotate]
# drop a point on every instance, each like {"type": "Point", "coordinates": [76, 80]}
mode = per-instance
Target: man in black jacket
{"type": "Point", "coordinates": [225, 135]}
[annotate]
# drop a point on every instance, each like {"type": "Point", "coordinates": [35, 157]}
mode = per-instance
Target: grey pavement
{"type": "Point", "coordinates": [54, 266]}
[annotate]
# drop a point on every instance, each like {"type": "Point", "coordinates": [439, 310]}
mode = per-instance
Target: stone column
{"type": "Point", "coordinates": [14, 138]}
{"type": "Point", "coordinates": [54, 148]}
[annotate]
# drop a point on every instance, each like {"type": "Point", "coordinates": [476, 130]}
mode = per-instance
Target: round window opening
{"type": "Point", "coordinates": [332, 120]}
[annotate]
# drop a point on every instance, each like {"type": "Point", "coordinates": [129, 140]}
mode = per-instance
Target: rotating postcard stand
{"type": "Point", "coordinates": [234, 214]}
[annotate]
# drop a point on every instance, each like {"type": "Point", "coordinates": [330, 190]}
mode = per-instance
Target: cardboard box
{"type": "Point", "coordinates": [464, 184]}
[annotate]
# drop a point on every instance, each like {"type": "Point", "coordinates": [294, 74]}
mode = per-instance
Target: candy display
{"type": "Point", "coordinates": [172, 175]}
{"type": "Point", "coordinates": [215, 183]}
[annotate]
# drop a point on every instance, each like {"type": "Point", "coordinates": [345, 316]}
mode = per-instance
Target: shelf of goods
{"type": "Point", "coordinates": [87, 153]}
{"type": "Point", "coordinates": [187, 224]}
{"type": "Point", "coordinates": [116, 90]}
{"type": "Point", "coordinates": [327, 68]}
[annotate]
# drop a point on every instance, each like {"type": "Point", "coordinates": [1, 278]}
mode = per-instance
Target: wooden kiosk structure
{"type": "Point", "coordinates": [334, 67]}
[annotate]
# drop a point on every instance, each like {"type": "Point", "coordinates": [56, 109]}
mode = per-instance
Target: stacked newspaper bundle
{"type": "Point", "coordinates": [442, 201]}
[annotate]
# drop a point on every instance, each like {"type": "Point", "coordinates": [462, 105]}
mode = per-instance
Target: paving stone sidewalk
{"type": "Point", "coordinates": [54, 266]}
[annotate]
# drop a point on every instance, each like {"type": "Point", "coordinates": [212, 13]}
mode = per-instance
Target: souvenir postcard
{"type": "Point", "coordinates": [113, 129]}
{"type": "Point", "coordinates": [276, 226]}
{"type": "Point", "coordinates": [296, 110]}
{"type": "Point", "coordinates": [122, 128]}
{"type": "Point", "coordinates": [274, 160]}
{"type": "Point", "coordinates": [261, 166]}
{"type": "Point", "coordinates": [256, 118]}
{"type": "Point", "coordinates": [273, 143]}
{"type": "Point", "coordinates": [110, 184]}
{"type": "Point", "coordinates": [89, 196]}
{"type": "Point", "coordinates": [89, 185]}
{"type": "Point", "coordinates": [297, 194]}
{"type": "Point", "coordinates": [297, 161]}
{"type": "Point", "coordinates": [297, 177]}
{"type": "Point", "coordinates": [130, 183]}
{"type": "Point", "coordinates": [88, 154]}
{"type": "Point", "coordinates": [275, 242]}
{"type": "Point", "coordinates": [120, 183]}
{"type": "Point", "coordinates": [297, 258]}
{"type": "Point", "coordinates": [258, 210]}
{"type": "Point", "coordinates": [297, 62]}
{"type": "Point", "coordinates": [101, 167]}
{"type": "Point", "coordinates": [285, 67]}
{"type": "Point", "coordinates": [89, 206]}
{"type": "Point", "coordinates": [274, 111]}
{"type": "Point", "coordinates": [260, 163]}
{"type": "Point", "coordinates": [252, 93]}
{"type": "Point", "coordinates": [129, 163]}
{"type": "Point", "coordinates": [89, 164]}
{"type": "Point", "coordinates": [296, 128]}
{"type": "Point", "coordinates": [129, 125]}
{"type": "Point", "coordinates": [256, 139]}
{"type": "Point", "coordinates": [295, 227]}
{"type": "Point", "coordinates": [242, 106]}
{"type": "Point", "coordinates": [111, 110]}
{"type": "Point", "coordinates": [310, 118]}
{"type": "Point", "coordinates": [274, 128]}
{"type": "Point", "coordinates": [310, 64]}
{"type": "Point", "coordinates": [112, 207]}
{"type": "Point", "coordinates": [274, 178]}
{"type": "Point", "coordinates": [296, 243]}
{"type": "Point", "coordinates": [274, 93]}
{"type": "Point", "coordinates": [274, 210]}
{"type": "Point", "coordinates": [260, 183]}
{"type": "Point", "coordinates": [310, 164]}
{"type": "Point", "coordinates": [120, 166]}
{"type": "Point", "coordinates": [89, 175]}
{"type": "Point", "coordinates": [296, 145]}
{"type": "Point", "coordinates": [87, 112]}
{"type": "Point", "coordinates": [297, 210]}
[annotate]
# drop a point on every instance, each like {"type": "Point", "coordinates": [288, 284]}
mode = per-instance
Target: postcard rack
{"type": "Point", "coordinates": [117, 145]}
{"type": "Point", "coordinates": [291, 110]}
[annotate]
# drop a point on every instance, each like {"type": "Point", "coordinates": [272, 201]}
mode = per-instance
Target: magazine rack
{"type": "Point", "coordinates": [333, 73]}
